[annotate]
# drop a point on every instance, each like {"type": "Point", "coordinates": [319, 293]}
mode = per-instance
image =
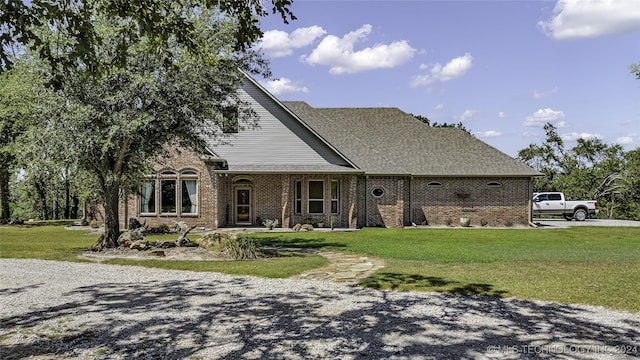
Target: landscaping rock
{"type": "Point", "coordinates": [166, 244]}
{"type": "Point", "coordinates": [139, 245]}
{"type": "Point", "coordinates": [180, 227]}
{"type": "Point", "coordinates": [128, 237]}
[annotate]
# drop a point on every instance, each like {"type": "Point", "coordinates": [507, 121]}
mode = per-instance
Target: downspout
{"type": "Point", "coordinates": [410, 200]}
{"type": "Point", "coordinates": [530, 211]}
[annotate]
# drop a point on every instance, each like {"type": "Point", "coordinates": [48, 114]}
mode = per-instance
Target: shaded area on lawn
{"type": "Point", "coordinates": [397, 281]}
{"type": "Point", "coordinates": [297, 242]}
{"type": "Point", "coordinates": [224, 321]}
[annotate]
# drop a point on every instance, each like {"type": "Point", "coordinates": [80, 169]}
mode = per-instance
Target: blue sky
{"type": "Point", "coordinates": [502, 68]}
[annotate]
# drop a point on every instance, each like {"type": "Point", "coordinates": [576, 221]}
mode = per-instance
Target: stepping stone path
{"type": "Point", "coordinates": [344, 268]}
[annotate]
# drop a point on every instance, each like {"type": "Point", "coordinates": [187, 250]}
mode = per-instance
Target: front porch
{"type": "Point", "coordinates": [247, 200]}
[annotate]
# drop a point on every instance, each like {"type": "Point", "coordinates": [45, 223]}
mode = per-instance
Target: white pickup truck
{"type": "Point", "coordinates": [554, 203]}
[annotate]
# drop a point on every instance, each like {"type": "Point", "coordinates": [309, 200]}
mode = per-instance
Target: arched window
{"type": "Point", "coordinates": [170, 193]}
{"type": "Point", "coordinates": [494, 185]}
{"type": "Point", "coordinates": [189, 192]}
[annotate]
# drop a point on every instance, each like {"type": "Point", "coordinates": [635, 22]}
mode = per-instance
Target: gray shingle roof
{"type": "Point", "coordinates": [291, 169]}
{"type": "Point", "coordinates": [388, 141]}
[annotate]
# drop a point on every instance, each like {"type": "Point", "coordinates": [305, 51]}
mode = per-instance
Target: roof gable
{"type": "Point", "coordinates": [279, 143]}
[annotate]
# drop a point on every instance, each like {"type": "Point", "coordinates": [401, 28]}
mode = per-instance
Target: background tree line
{"type": "Point", "coordinates": [589, 170]}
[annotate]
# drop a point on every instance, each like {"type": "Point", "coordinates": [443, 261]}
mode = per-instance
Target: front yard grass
{"type": "Point", "coordinates": [57, 243]}
{"type": "Point", "coordinates": [586, 265]}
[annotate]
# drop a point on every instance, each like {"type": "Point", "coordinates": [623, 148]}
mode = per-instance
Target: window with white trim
{"type": "Point", "coordinates": [148, 196]}
{"type": "Point", "coordinates": [377, 192]}
{"type": "Point", "coordinates": [335, 196]}
{"type": "Point", "coordinates": [298, 197]}
{"type": "Point", "coordinates": [189, 190]}
{"type": "Point", "coordinates": [230, 120]}
{"type": "Point", "coordinates": [168, 194]}
{"type": "Point", "coordinates": [316, 197]}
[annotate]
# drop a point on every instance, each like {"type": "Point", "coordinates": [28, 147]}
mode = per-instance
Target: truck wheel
{"type": "Point", "coordinates": [580, 215]}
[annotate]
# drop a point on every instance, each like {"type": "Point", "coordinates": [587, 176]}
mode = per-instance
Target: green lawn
{"type": "Point", "coordinates": [587, 265]}
{"type": "Point", "coordinates": [57, 243]}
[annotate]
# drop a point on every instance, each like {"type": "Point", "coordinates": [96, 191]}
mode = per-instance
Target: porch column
{"type": "Point", "coordinates": [286, 213]}
{"type": "Point", "coordinates": [353, 203]}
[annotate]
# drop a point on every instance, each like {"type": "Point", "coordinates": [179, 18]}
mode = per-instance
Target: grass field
{"type": "Point", "coordinates": [57, 243]}
{"type": "Point", "coordinates": [587, 265]}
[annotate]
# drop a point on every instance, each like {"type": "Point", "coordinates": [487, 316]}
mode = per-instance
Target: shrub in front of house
{"type": "Point", "coordinates": [230, 245]}
{"type": "Point", "coordinates": [270, 224]}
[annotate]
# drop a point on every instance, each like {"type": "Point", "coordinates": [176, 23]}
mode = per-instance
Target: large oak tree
{"type": "Point", "coordinates": [141, 78]}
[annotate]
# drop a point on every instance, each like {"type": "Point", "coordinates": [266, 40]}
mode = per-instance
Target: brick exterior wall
{"type": "Point", "coordinates": [409, 200]}
{"type": "Point", "coordinates": [207, 194]}
{"type": "Point", "coordinates": [496, 206]}
{"type": "Point", "coordinates": [387, 210]}
{"type": "Point", "coordinates": [405, 199]}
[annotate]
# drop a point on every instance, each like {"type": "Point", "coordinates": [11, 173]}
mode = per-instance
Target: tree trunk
{"type": "Point", "coordinates": [4, 195]}
{"type": "Point", "coordinates": [75, 207]}
{"type": "Point", "coordinates": [67, 198]}
{"type": "Point", "coordinates": [42, 194]}
{"type": "Point", "coordinates": [56, 204]}
{"type": "Point", "coordinates": [111, 215]}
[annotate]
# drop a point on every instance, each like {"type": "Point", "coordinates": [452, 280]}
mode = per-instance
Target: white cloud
{"type": "Point", "coordinates": [575, 136]}
{"type": "Point", "coordinates": [284, 86]}
{"type": "Point", "coordinates": [487, 134]}
{"type": "Point", "coordinates": [502, 115]}
{"type": "Point", "coordinates": [625, 140]}
{"type": "Point", "coordinates": [452, 70]}
{"type": "Point", "coordinates": [543, 116]}
{"type": "Point", "coordinates": [543, 94]}
{"type": "Point", "coordinates": [340, 55]}
{"type": "Point", "coordinates": [439, 107]}
{"type": "Point", "coordinates": [467, 114]}
{"type": "Point", "coordinates": [277, 43]}
{"type": "Point", "coordinates": [630, 140]}
{"type": "Point", "coordinates": [591, 18]}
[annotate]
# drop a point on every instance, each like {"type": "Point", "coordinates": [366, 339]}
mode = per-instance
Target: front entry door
{"type": "Point", "coordinates": [243, 206]}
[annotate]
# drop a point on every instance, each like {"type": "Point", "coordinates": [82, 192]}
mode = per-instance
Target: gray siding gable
{"type": "Point", "coordinates": [280, 141]}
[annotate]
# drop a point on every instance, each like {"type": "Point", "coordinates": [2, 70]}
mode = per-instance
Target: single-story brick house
{"type": "Point", "coordinates": [358, 166]}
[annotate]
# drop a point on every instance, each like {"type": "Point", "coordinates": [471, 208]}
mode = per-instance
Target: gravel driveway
{"type": "Point", "coordinates": [81, 310]}
{"type": "Point", "coordinates": [562, 223]}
